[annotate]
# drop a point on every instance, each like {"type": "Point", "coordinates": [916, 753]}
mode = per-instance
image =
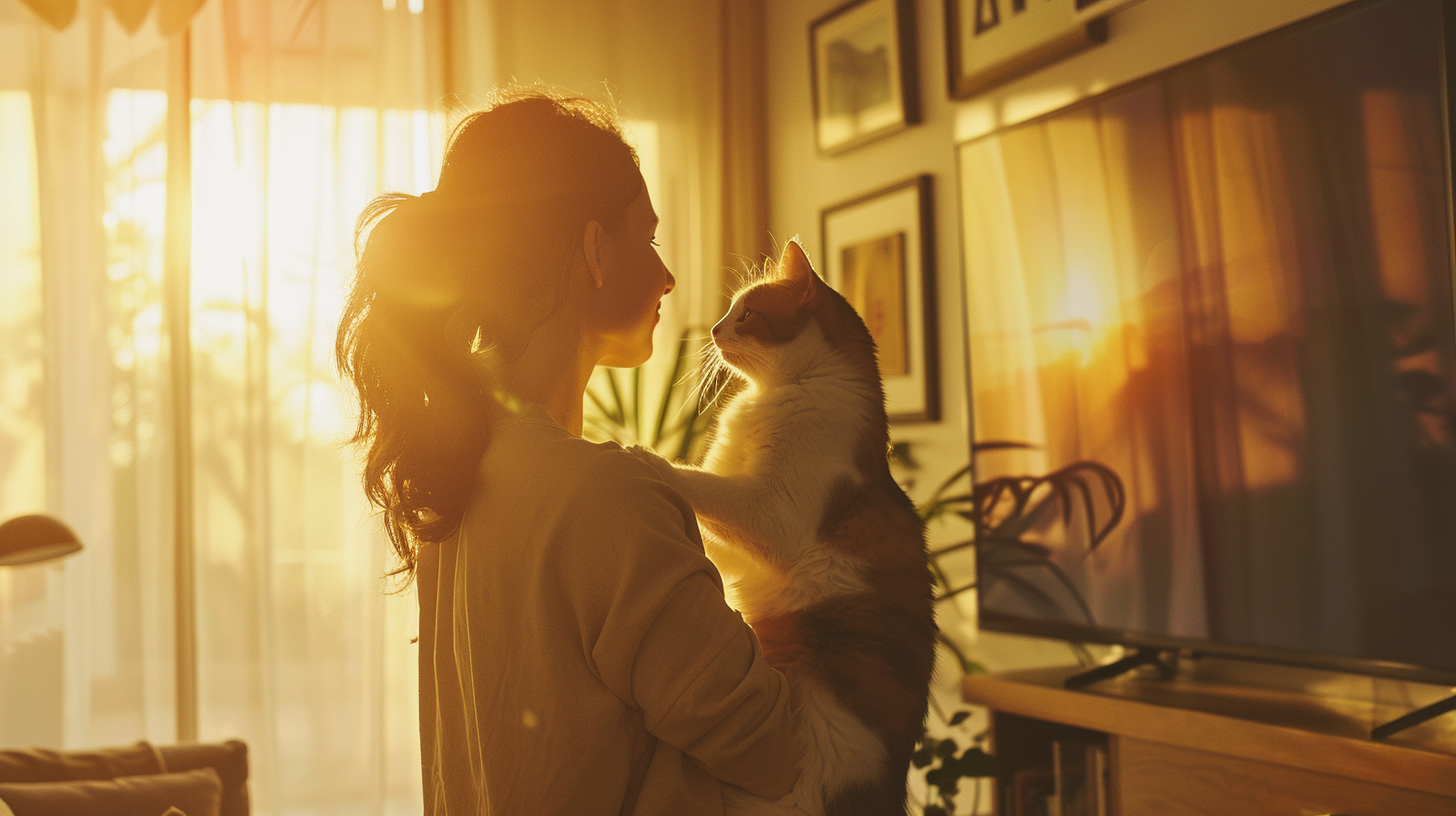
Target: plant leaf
{"type": "Point", "coordinates": [669, 389]}
{"type": "Point", "coordinates": [637, 410]}
{"type": "Point", "coordinates": [619, 414]}
{"type": "Point", "coordinates": [922, 757]}
{"type": "Point", "coordinates": [1001, 444]}
{"type": "Point", "coordinates": [1027, 587]}
{"type": "Point", "coordinates": [950, 480]}
{"type": "Point", "coordinates": [975, 763]}
{"type": "Point", "coordinates": [1072, 590]}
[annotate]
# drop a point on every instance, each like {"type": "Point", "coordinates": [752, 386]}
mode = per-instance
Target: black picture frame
{"type": "Point", "coordinates": [1065, 27]}
{"type": "Point", "coordinates": [860, 94]}
{"type": "Point", "coordinates": [911, 375]}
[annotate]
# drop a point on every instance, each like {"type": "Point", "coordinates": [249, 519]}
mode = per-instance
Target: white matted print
{"type": "Point", "coordinates": [863, 65]}
{"type": "Point", "coordinates": [877, 253]}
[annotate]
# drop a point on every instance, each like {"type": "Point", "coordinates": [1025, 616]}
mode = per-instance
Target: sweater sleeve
{"type": "Point", "coordinates": [657, 632]}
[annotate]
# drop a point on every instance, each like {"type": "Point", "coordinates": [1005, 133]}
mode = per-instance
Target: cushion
{"type": "Point", "coordinates": [44, 765]}
{"type": "Point", "coordinates": [196, 793]}
{"type": "Point", "coordinates": [229, 759]}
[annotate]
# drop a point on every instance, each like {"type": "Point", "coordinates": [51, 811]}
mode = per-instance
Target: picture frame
{"type": "Point", "coordinates": [878, 252]}
{"type": "Point", "coordinates": [863, 73]}
{"type": "Point", "coordinates": [990, 42]}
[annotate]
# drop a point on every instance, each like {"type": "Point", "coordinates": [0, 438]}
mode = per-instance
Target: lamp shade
{"type": "Point", "coordinates": [28, 539]}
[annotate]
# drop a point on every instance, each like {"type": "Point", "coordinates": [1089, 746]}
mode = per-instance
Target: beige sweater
{"type": "Point", "coordinates": [576, 654]}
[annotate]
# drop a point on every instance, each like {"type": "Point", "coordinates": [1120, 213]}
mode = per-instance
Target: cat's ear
{"type": "Point", "coordinates": [794, 267]}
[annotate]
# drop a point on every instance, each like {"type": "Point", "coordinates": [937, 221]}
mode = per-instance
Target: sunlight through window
{"type": "Point", "coordinates": [25, 619]}
{"type": "Point", "coordinates": [22, 353]}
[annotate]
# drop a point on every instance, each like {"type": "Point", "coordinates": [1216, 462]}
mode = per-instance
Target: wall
{"type": "Point", "coordinates": [1144, 38]}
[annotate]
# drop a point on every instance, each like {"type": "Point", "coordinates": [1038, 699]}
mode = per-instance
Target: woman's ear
{"type": "Point", "coordinates": [591, 244]}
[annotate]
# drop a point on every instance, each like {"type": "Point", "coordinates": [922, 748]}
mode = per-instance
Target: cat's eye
{"type": "Point", "coordinates": [745, 315]}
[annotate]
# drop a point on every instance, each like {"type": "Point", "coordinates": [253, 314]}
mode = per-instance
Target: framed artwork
{"type": "Point", "coordinates": [879, 253]}
{"type": "Point", "coordinates": [989, 42]}
{"type": "Point", "coordinates": [862, 59]}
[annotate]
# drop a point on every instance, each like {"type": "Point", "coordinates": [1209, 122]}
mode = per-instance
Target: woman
{"type": "Point", "coordinates": [576, 653]}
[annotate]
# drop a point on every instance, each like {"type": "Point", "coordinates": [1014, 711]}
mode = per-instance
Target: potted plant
{"type": "Point", "coordinates": [1004, 513]}
{"type": "Point", "coordinates": [675, 426]}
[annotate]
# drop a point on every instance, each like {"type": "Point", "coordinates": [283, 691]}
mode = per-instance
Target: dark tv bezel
{"type": "Point", "coordinates": [1038, 627]}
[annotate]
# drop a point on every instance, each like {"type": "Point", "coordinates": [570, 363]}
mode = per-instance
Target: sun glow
{"type": "Point", "coordinates": [22, 483]}
{"type": "Point", "coordinates": [275, 192]}
{"type": "Point", "coordinates": [1085, 314]}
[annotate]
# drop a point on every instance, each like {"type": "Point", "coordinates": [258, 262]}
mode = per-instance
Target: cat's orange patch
{"type": "Point", "coordinates": [865, 649]}
{"type": "Point", "coordinates": [869, 648]}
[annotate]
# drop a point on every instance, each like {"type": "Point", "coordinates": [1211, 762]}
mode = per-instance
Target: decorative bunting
{"type": "Point", "coordinates": [130, 13]}
{"type": "Point", "coordinates": [172, 15]}
{"type": "Point", "coordinates": [57, 13]}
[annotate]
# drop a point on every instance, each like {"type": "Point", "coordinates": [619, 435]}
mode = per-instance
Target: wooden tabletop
{"type": "Point", "coordinates": [1298, 729]}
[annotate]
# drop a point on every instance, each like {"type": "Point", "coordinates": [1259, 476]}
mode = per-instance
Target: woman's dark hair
{"type": "Point", "coordinates": [440, 276]}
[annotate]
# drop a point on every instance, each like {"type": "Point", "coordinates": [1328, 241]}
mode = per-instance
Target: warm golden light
{"type": "Point", "coordinates": [22, 357]}
{"type": "Point", "coordinates": [22, 483]}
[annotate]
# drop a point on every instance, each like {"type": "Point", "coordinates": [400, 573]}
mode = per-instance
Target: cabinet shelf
{"type": "Point", "coordinates": [1213, 735]}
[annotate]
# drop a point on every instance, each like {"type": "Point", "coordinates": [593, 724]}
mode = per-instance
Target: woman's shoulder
{"type": "Point", "coordinates": [611, 474]}
{"type": "Point", "coordinates": [598, 511]}
{"type": "Point", "coordinates": [582, 473]}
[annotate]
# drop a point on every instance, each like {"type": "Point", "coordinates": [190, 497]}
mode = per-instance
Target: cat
{"type": "Point", "coordinates": [823, 553]}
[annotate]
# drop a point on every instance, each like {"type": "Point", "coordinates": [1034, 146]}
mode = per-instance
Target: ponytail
{"type": "Point", "coordinates": [436, 272]}
{"type": "Point", "coordinates": [427, 403]}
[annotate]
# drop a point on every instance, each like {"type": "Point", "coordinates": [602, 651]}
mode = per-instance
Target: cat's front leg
{"type": "Point", "coordinates": [746, 508]}
{"type": "Point", "coordinates": [666, 470]}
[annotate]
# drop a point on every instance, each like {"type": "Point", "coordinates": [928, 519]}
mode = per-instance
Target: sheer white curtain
{"type": "Point", "coordinates": [86, 645]}
{"type": "Point", "coordinates": [299, 112]}
{"type": "Point", "coordinates": [302, 112]}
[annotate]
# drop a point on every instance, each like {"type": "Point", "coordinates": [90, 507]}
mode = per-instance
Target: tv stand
{"type": "Point", "coordinates": [1216, 739]}
{"type": "Point", "coordinates": [1142, 657]}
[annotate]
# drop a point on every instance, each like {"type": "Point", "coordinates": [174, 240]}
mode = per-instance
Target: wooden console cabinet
{"type": "Point", "coordinates": [1199, 746]}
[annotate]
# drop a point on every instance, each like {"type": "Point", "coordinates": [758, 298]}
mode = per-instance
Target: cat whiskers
{"type": "Point", "coordinates": [714, 373]}
{"type": "Point", "coordinates": [747, 358]}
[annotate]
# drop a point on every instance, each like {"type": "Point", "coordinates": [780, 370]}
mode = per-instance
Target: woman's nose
{"type": "Point", "coordinates": [671, 283]}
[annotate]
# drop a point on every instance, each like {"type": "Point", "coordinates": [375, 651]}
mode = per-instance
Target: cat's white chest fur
{"type": "Point", "coordinates": [792, 434]}
{"type": "Point", "coordinates": [788, 441]}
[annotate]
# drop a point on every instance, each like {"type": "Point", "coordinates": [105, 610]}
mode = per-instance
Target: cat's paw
{"type": "Point", "coordinates": [663, 467]}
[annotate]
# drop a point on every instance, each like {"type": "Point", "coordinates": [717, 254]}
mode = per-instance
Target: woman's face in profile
{"type": "Point", "coordinates": [634, 279]}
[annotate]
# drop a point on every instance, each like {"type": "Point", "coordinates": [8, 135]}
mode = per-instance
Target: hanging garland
{"type": "Point", "coordinates": [172, 15]}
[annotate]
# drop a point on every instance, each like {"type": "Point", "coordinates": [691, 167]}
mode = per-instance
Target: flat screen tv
{"type": "Point", "coordinates": [1210, 322]}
